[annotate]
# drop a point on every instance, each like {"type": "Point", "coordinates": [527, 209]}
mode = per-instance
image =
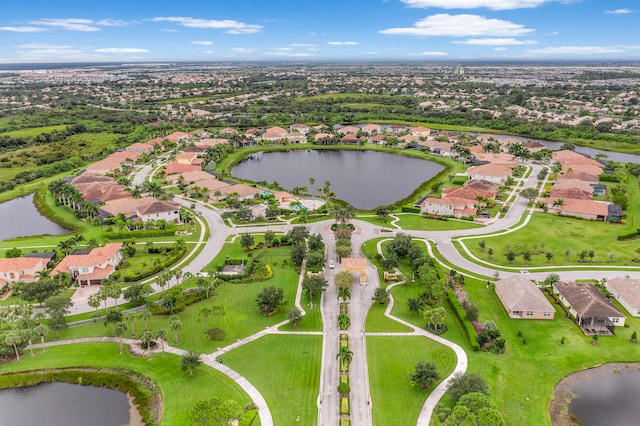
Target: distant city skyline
{"type": "Point", "coordinates": [300, 30]}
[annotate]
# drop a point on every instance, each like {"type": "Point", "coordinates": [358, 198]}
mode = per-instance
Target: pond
{"type": "Point", "coordinates": [364, 179]}
{"type": "Point", "coordinates": [20, 218]}
{"type": "Point", "coordinates": [605, 395]}
{"type": "Point", "coordinates": [63, 404]}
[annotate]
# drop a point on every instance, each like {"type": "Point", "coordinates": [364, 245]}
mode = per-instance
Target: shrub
{"type": "Point", "coordinates": [409, 209]}
{"type": "Point", "coordinates": [216, 334]}
{"type": "Point", "coordinates": [608, 178]}
{"type": "Point", "coordinates": [344, 389]}
{"type": "Point", "coordinates": [457, 308]}
{"type": "Point", "coordinates": [629, 235]}
{"type": "Point", "coordinates": [344, 406]}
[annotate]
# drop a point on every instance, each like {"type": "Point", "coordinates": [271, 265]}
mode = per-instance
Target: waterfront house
{"type": "Point", "coordinates": [590, 309]}
{"type": "Point", "coordinates": [489, 172]}
{"type": "Point", "coordinates": [159, 210]}
{"type": "Point", "coordinates": [450, 206]}
{"type": "Point", "coordinates": [420, 131]}
{"type": "Point", "coordinates": [25, 269]}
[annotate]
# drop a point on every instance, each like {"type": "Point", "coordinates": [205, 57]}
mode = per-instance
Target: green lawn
{"type": "Point", "coordinates": [414, 221]}
{"type": "Point", "coordinates": [286, 370]}
{"type": "Point", "coordinates": [547, 232]}
{"type": "Point", "coordinates": [33, 131]}
{"type": "Point", "coordinates": [377, 322]}
{"type": "Point", "coordinates": [179, 391]}
{"type": "Point", "coordinates": [522, 380]}
{"type": "Point", "coordinates": [391, 361]}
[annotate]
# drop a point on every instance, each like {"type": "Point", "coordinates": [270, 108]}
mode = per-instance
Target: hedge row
{"type": "Point", "coordinates": [168, 232]}
{"type": "Point", "coordinates": [629, 236]}
{"type": "Point", "coordinates": [142, 389]}
{"type": "Point", "coordinates": [457, 308]}
{"type": "Point", "coordinates": [137, 276]}
{"type": "Point", "coordinates": [608, 178]}
{"type": "Point", "coordinates": [409, 209]}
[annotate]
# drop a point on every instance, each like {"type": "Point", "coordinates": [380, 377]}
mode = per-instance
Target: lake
{"type": "Point", "coordinates": [63, 404]}
{"type": "Point", "coordinates": [20, 218]}
{"type": "Point", "coordinates": [605, 395]}
{"type": "Point", "coordinates": [364, 179]}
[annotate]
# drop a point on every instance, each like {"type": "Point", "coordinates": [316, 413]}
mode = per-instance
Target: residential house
{"type": "Point", "coordinates": [586, 209]}
{"type": "Point", "coordinates": [159, 210]}
{"type": "Point", "coordinates": [283, 197]}
{"type": "Point", "coordinates": [296, 138]}
{"type": "Point", "coordinates": [396, 129]}
{"type": "Point", "coordinates": [350, 139]}
{"type": "Point", "coordinates": [533, 146]}
{"type": "Point", "coordinates": [467, 193]}
{"type": "Point", "coordinates": [569, 194]}
{"type": "Point", "coordinates": [85, 177]}
{"type": "Point", "coordinates": [105, 166]}
{"type": "Point", "coordinates": [244, 192]}
{"type": "Point", "coordinates": [573, 183]}
{"type": "Point", "coordinates": [451, 206]}
{"type": "Point", "coordinates": [140, 147]}
{"type": "Point", "coordinates": [377, 139]}
{"type": "Point", "coordinates": [483, 185]}
{"type": "Point", "coordinates": [176, 168]}
{"type": "Point", "coordinates": [91, 268]}
{"type": "Point", "coordinates": [25, 269]}
{"type": "Point", "coordinates": [299, 128]}
{"type": "Point", "coordinates": [102, 192]}
{"type": "Point", "coordinates": [211, 142]}
{"type": "Point", "coordinates": [128, 207]}
{"type": "Point", "coordinates": [627, 292]}
{"type": "Point", "coordinates": [592, 311]}
{"type": "Point", "coordinates": [274, 134]}
{"type": "Point", "coordinates": [489, 172]}
{"type": "Point", "coordinates": [190, 177]}
{"type": "Point", "coordinates": [227, 131]}
{"type": "Point", "coordinates": [420, 131]}
{"type": "Point", "coordinates": [371, 129]}
{"type": "Point", "coordinates": [435, 147]}
{"type": "Point", "coordinates": [186, 157]}
{"type": "Point", "coordinates": [175, 137]}
{"type": "Point", "coordinates": [503, 159]}
{"type": "Point", "coordinates": [346, 130]}
{"type": "Point", "coordinates": [523, 299]}
{"type": "Point", "coordinates": [582, 170]}
{"type": "Point", "coordinates": [325, 139]}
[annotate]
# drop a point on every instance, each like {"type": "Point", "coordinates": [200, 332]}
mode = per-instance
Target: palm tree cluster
{"type": "Point", "coordinates": [66, 195]}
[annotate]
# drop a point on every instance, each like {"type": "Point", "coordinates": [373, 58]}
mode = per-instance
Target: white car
{"type": "Point", "coordinates": [332, 264]}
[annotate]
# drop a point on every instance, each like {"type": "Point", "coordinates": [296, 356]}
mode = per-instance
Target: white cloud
{"type": "Point", "coordinates": [302, 45]}
{"type": "Point", "coordinates": [243, 49]}
{"type": "Point", "coordinates": [371, 53]}
{"type": "Point", "coordinates": [343, 43]}
{"type": "Point", "coordinates": [464, 25]}
{"type": "Point", "coordinates": [475, 4]}
{"type": "Point", "coordinates": [232, 27]}
{"type": "Point", "coordinates": [495, 41]}
{"type": "Point", "coordinates": [203, 42]}
{"type": "Point", "coordinates": [576, 50]}
{"type": "Point", "coordinates": [430, 54]}
{"type": "Point", "coordinates": [42, 46]}
{"type": "Point", "coordinates": [619, 11]}
{"type": "Point", "coordinates": [69, 24]}
{"type": "Point", "coordinates": [500, 49]}
{"type": "Point", "coordinates": [283, 49]}
{"type": "Point", "coordinates": [290, 54]}
{"type": "Point", "coordinates": [23, 29]}
{"type": "Point", "coordinates": [111, 23]}
{"type": "Point", "coordinates": [169, 30]}
{"type": "Point", "coordinates": [121, 50]}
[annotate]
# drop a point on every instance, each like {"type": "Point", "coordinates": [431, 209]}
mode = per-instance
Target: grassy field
{"type": "Point", "coordinates": [413, 221]}
{"type": "Point", "coordinates": [179, 391]}
{"type": "Point", "coordinates": [286, 370]}
{"type": "Point", "coordinates": [522, 379]}
{"type": "Point", "coordinates": [546, 232]}
{"type": "Point", "coordinates": [33, 131]}
{"type": "Point", "coordinates": [391, 361]}
{"type": "Point", "coordinates": [85, 144]}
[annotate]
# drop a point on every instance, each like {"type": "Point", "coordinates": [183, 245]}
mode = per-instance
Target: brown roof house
{"type": "Point", "coordinates": [23, 269]}
{"type": "Point", "coordinates": [592, 311]}
{"type": "Point", "coordinates": [490, 172]}
{"type": "Point", "coordinates": [90, 269]}
{"type": "Point", "coordinates": [627, 292]}
{"type": "Point", "coordinates": [523, 299]}
{"type": "Point", "coordinates": [159, 210]}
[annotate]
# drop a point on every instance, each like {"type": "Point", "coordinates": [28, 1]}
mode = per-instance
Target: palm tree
{"type": "Point", "coordinates": [160, 334]}
{"type": "Point", "coordinates": [94, 302]}
{"type": "Point", "coordinates": [344, 321]}
{"type": "Point", "coordinates": [42, 331]}
{"type": "Point", "coordinates": [190, 361]}
{"type": "Point", "coordinates": [175, 324]}
{"type": "Point", "coordinates": [145, 315]}
{"type": "Point", "coordinates": [130, 317]}
{"type": "Point", "coordinates": [345, 293]}
{"type": "Point", "coordinates": [14, 338]}
{"type": "Point", "coordinates": [345, 355]}
{"type": "Point", "coordinates": [146, 339]}
{"type": "Point", "coordinates": [118, 329]}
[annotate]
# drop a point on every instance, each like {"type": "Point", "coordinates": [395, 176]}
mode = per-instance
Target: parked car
{"type": "Point", "coordinates": [332, 264]}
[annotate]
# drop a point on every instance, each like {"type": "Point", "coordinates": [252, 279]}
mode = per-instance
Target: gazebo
{"type": "Point", "coordinates": [358, 264]}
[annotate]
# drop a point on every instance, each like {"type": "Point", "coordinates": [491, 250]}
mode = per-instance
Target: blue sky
{"type": "Point", "coordinates": [301, 30]}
